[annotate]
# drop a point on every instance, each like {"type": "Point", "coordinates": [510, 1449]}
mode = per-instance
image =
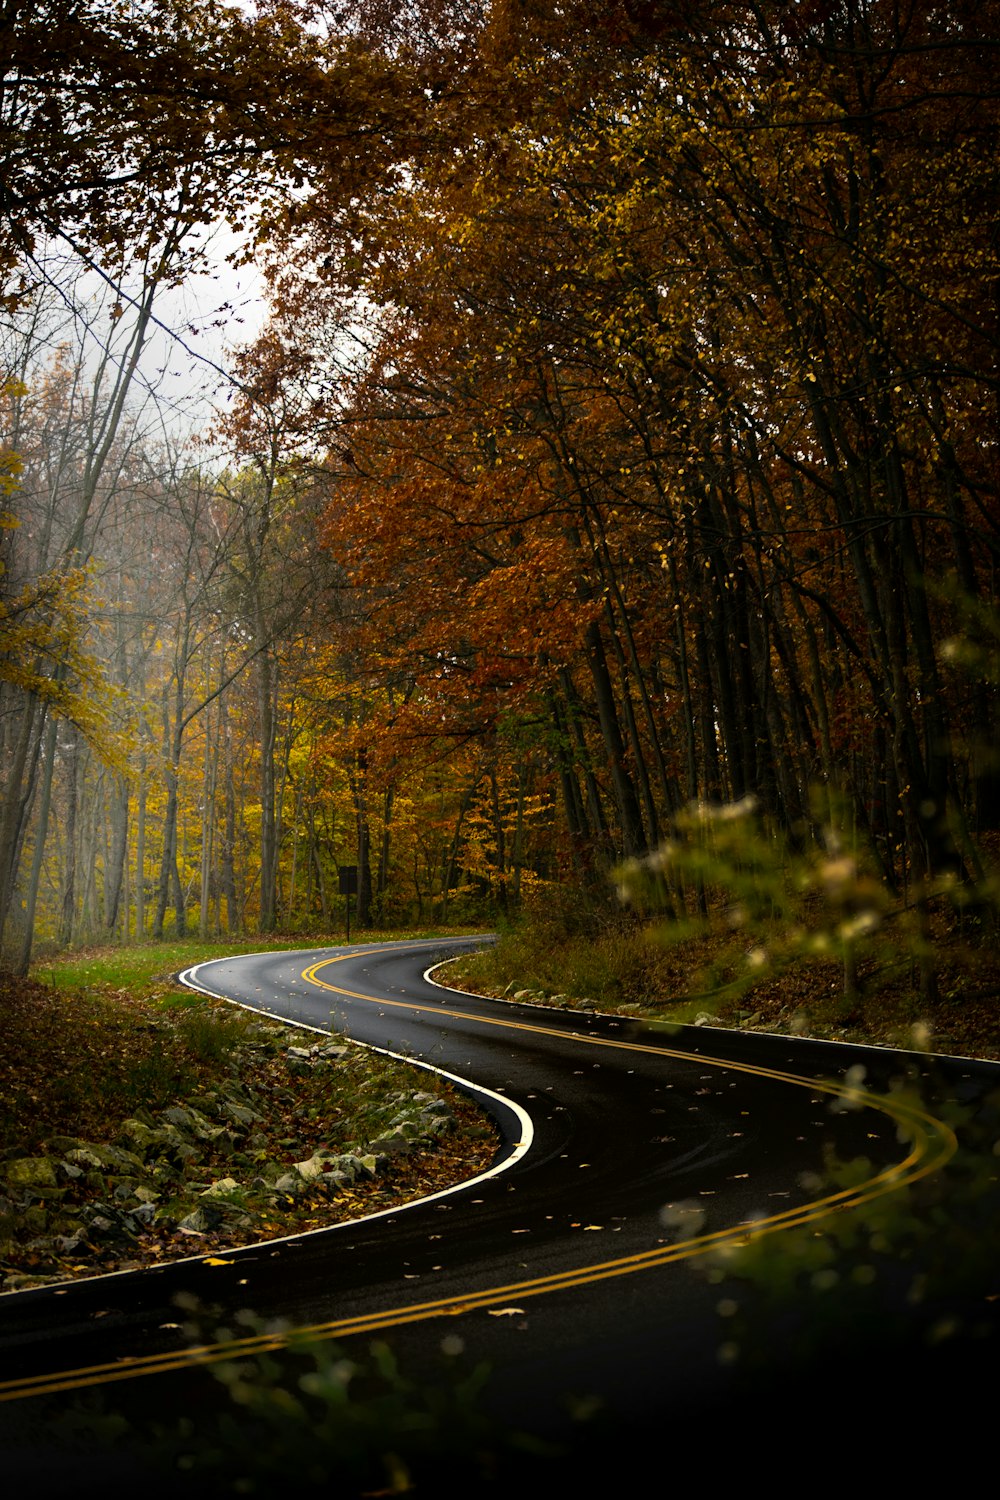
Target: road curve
{"type": "Point", "coordinates": [631, 1157]}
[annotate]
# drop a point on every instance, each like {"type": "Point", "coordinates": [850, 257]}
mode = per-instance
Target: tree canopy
{"type": "Point", "coordinates": [623, 434]}
{"type": "Point", "coordinates": [677, 399]}
{"type": "Point", "coordinates": [116, 115]}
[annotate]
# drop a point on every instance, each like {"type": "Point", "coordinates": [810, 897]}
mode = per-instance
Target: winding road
{"type": "Point", "coordinates": [633, 1160]}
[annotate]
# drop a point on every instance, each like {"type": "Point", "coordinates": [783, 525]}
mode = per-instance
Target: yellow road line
{"type": "Point", "coordinates": [933, 1145]}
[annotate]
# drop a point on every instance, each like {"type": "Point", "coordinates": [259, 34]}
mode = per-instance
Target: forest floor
{"type": "Point", "coordinates": [141, 1123]}
{"type": "Point", "coordinates": [646, 972]}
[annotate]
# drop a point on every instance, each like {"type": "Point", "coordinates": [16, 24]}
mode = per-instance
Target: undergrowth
{"type": "Point", "coordinates": [731, 923]}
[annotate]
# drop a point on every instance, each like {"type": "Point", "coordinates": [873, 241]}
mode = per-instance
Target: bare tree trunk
{"type": "Point", "coordinates": [140, 855]}
{"type": "Point", "coordinates": [210, 773]}
{"type": "Point", "coordinates": [38, 858]}
{"type": "Point", "coordinates": [227, 869]}
{"type": "Point", "coordinates": [17, 796]}
{"type": "Point", "coordinates": [69, 874]}
{"type": "Point", "coordinates": [266, 689]}
{"type": "Point", "coordinates": [629, 813]}
{"type": "Point", "coordinates": [119, 847]}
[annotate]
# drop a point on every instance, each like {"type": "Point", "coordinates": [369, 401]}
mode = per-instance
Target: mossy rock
{"type": "Point", "coordinates": [36, 1172]}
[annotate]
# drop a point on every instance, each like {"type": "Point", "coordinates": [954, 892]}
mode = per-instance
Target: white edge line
{"type": "Point", "coordinates": [520, 1147]}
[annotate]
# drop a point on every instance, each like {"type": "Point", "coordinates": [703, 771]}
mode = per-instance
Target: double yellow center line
{"type": "Point", "coordinates": [933, 1143]}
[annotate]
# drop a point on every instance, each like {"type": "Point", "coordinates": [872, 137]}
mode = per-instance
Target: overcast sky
{"type": "Point", "coordinates": [208, 316]}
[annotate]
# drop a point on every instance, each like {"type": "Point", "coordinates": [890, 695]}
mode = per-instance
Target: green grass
{"type": "Point", "coordinates": [144, 968]}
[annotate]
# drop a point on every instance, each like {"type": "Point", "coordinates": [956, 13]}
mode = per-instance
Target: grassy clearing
{"type": "Point", "coordinates": [148, 966]}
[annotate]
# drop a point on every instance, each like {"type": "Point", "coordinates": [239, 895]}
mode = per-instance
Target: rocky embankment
{"type": "Point", "coordinates": [295, 1135]}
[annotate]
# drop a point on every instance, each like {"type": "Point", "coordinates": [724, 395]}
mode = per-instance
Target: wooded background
{"type": "Point", "coordinates": [624, 434]}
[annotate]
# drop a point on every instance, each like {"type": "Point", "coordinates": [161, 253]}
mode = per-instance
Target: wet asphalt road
{"type": "Point", "coordinates": [632, 1160]}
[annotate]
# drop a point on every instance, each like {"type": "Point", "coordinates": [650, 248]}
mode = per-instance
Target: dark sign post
{"type": "Point", "coordinates": [348, 887]}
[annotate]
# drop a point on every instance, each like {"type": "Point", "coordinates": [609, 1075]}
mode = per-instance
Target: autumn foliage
{"type": "Point", "coordinates": [636, 368]}
{"type": "Point", "coordinates": [653, 410]}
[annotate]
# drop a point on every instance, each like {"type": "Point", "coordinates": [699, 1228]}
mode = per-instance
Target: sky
{"type": "Point", "coordinates": [181, 380]}
{"type": "Point", "coordinates": [200, 322]}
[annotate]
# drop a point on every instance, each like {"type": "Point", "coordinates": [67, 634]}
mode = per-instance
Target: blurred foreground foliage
{"type": "Point", "coordinates": [309, 1415]}
{"type": "Point", "coordinates": [736, 920]}
{"type": "Point", "coordinates": [911, 1278]}
{"type": "Point", "coordinates": [815, 893]}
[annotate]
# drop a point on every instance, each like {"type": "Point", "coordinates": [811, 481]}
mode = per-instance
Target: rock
{"type": "Point", "coordinates": [104, 1221]}
{"type": "Point", "coordinates": [394, 1142]}
{"type": "Point", "coordinates": [84, 1156]}
{"type": "Point", "coordinates": [202, 1220]}
{"type": "Point", "coordinates": [31, 1172]}
{"type": "Point", "coordinates": [43, 1247]}
{"type": "Point", "coordinates": [315, 1167]}
{"type": "Point", "coordinates": [206, 1103]}
{"type": "Point", "coordinates": [107, 1158]}
{"type": "Point", "coordinates": [143, 1138]}
{"type": "Point", "coordinates": [222, 1188]}
{"type": "Point", "coordinates": [100, 1224]}
{"type": "Point", "coordinates": [431, 1104]}
{"type": "Point", "coordinates": [203, 1128]}
{"type": "Point", "coordinates": [239, 1113]}
{"type": "Point", "coordinates": [35, 1219]}
{"type": "Point", "coordinates": [289, 1183]}
{"type": "Point", "coordinates": [194, 1223]}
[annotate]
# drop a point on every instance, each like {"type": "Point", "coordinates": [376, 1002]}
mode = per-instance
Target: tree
{"type": "Point", "coordinates": [104, 141]}
{"type": "Point", "coordinates": [125, 154]}
{"type": "Point", "coordinates": [682, 363]}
